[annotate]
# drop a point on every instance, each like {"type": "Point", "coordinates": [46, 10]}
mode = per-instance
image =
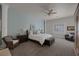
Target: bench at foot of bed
{"type": "Point", "coordinates": [49, 42]}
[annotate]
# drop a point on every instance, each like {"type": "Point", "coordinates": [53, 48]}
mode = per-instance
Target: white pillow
{"type": "Point", "coordinates": [38, 32]}
{"type": "Point", "coordinates": [31, 33]}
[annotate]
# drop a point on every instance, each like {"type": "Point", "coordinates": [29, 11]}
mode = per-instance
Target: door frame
{"type": "Point", "coordinates": [76, 16]}
{"type": "Point", "coordinates": [1, 18]}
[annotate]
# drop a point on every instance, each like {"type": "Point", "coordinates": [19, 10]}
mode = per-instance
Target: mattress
{"type": "Point", "coordinates": [40, 37]}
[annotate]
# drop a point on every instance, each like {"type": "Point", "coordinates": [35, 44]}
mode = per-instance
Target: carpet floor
{"type": "Point", "coordinates": [60, 47]}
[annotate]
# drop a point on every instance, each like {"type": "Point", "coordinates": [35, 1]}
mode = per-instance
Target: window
{"type": "Point", "coordinates": [59, 27]}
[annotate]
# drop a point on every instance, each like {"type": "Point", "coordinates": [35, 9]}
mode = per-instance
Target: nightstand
{"type": "Point", "coordinates": [22, 38]}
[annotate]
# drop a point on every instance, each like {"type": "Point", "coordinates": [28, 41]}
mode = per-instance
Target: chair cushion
{"type": "Point", "coordinates": [15, 41]}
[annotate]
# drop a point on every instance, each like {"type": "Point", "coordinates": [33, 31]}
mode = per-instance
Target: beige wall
{"type": "Point", "coordinates": [67, 21]}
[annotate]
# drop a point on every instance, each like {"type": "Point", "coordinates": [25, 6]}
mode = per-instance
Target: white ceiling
{"type": "Point", "coordinates": [62, 9]}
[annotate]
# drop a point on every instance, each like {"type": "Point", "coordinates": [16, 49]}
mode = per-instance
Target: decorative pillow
{"type": "Point", "coordinates": [8, 38]}
{"type": "Point", "coordinates": [38, 32]}
{"type": "Point", "coordinates": [35, 32]}
{"type": "Point", "coordinates": [31, 32]}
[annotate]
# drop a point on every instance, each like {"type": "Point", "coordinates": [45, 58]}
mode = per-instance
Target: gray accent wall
{"type": "Point", "coordinates": [18, 21]}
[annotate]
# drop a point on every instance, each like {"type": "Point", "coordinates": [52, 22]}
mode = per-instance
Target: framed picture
{"type": "Point", "coordinates": [70, 28]}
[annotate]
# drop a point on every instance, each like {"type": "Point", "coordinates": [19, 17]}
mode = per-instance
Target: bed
{"type": "Point", "coordinates": [42, 39]}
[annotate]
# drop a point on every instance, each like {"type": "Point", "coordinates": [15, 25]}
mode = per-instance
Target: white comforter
{"type": "Point", "coordinates": [40, 37]}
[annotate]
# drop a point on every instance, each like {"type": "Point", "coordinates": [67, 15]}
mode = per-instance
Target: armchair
{"type": "Point", "coordinates": [10, 42]}
{"type": "Point", "coordinates": [70, 37]}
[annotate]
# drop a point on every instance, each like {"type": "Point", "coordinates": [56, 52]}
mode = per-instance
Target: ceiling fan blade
{"type": "Point", "coordinates": [46, 12]}
{"type": "Point", "coordinates": [49, 12]}
{"type": "Point", "coordinates": [53, 13]}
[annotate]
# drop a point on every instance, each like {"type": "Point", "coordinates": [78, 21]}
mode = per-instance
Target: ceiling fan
{"type": "Point", "coordinates": [49, 12]}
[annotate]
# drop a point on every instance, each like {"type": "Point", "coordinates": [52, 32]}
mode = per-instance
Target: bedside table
{"type": "Point", "coordinates": [22, 38]}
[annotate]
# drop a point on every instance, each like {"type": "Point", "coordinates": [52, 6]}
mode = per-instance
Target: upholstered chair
{"type": "Point", "coordinates": [10, 42]}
